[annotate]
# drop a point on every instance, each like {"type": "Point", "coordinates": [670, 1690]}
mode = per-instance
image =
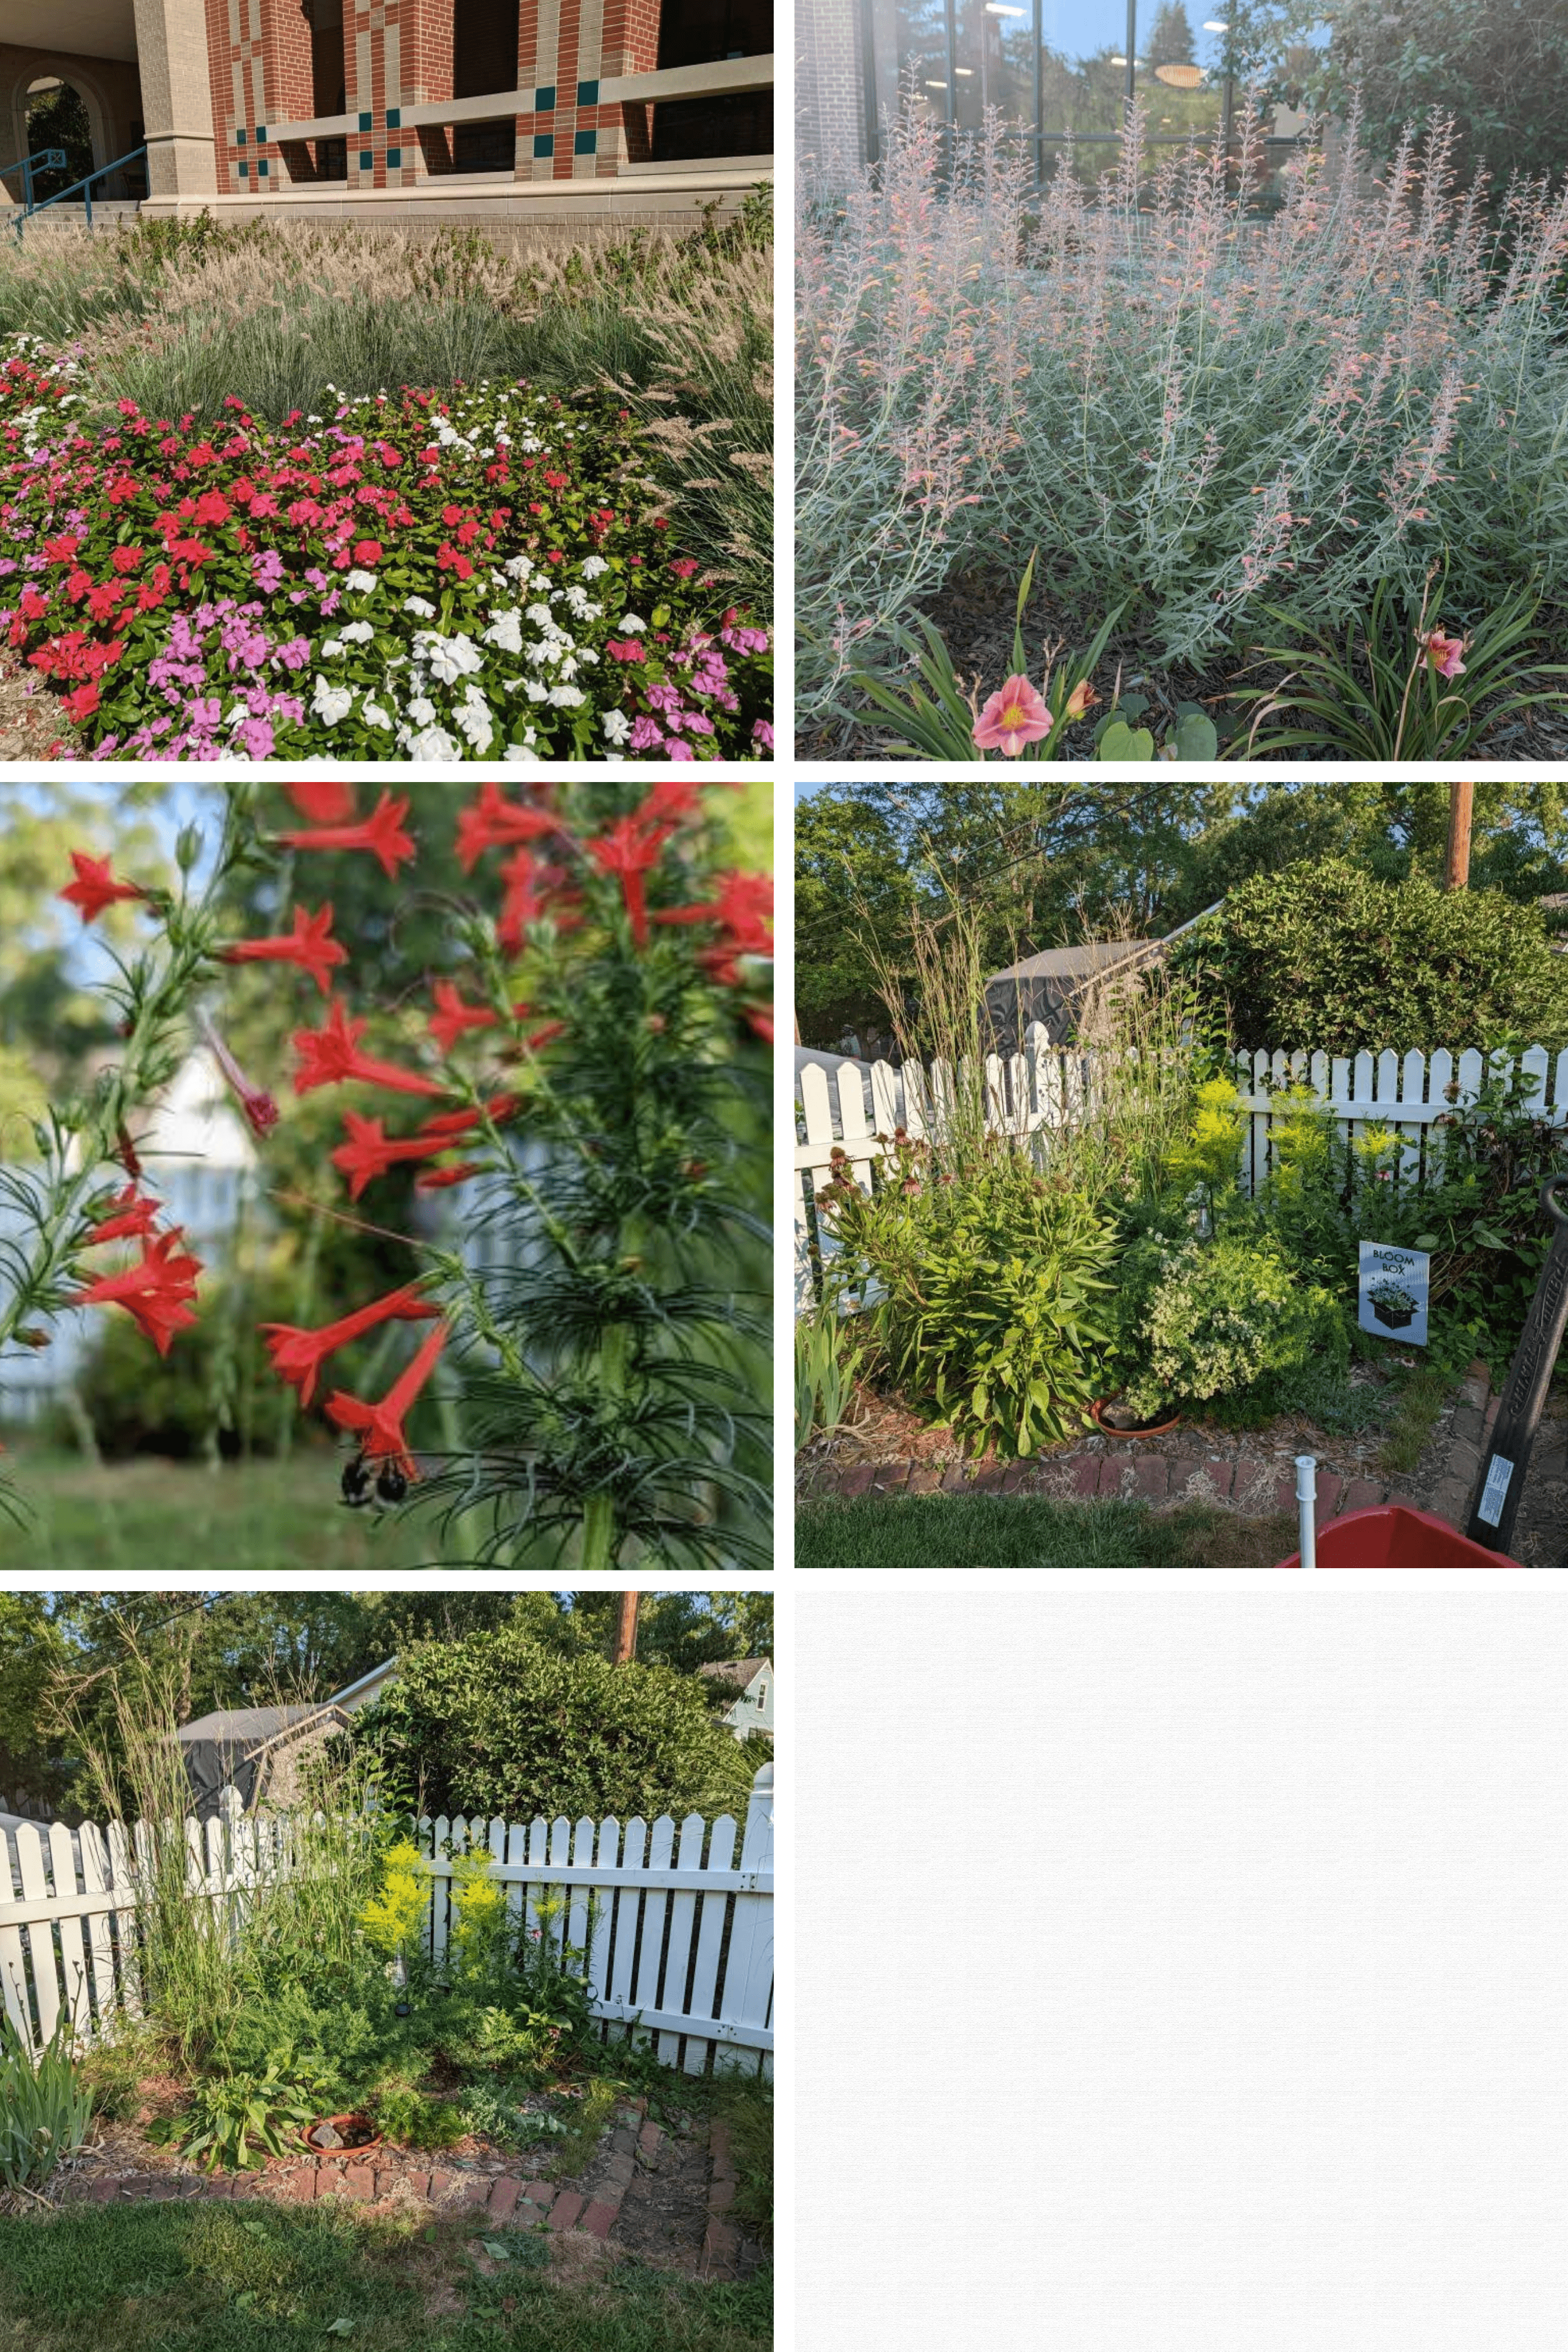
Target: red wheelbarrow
{"type": "Point", "coordinates": [1390, 1536]}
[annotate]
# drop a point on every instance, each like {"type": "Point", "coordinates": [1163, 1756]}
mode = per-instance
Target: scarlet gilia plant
{"type": "Point", "coordinates": [586, 1313]}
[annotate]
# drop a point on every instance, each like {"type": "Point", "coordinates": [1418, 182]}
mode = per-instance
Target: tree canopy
{"type": "Point", "coordinates": [1045, 864]}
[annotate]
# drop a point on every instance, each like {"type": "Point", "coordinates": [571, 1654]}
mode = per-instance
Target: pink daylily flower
{"type": "Point", "coordinates": [1014, 716]}
{"type": "Point", "coordinates": [1443, 653]}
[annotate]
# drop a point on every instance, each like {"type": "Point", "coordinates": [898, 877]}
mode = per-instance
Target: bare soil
{"type": "Point", "coordinates": [32, 724]}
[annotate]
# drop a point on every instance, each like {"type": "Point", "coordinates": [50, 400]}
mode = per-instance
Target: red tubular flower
{"type": "Point", "coordinates": [434, 1179]}
{"type": "Point", "coordinates": [156, 1292]}
{"type": "Point", "coordinates": [257, 1105]}
{"type": "Point", "coordinates": [381, 1425]}
{"type": "Point", "coordinates": [325, 803]}
{"type": "Point", "coordinates": [298, 1355]}
{"type": "Point", "coordinates": [629, 852]}
{"type": "Point", "coordinates": [310, 945]}
{"type": "Point", "coordinates": [380, 832]}
{"type": "Point", "coordinates": [494, 822]}
{"type": "Point", "coordinates": [743, 910]}
{"type": "Point", "coordinates": [453, 1016]}
{"type": "Point", "coordinates": [330, 1055]}
{"type": "Point", "coordinates": [95, 886]}
{"type": "Point", "coordinates": [369, 1150]}
{"type": "Point", "coordinates": [130, 1212]}
{"type": "Point", "coordinates": [532, 894]}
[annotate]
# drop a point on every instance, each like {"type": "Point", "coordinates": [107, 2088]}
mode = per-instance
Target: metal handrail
{"type": "Point", "coordinates": [82, 187]}
{"type": "Point", "coordinates": [47, 159]}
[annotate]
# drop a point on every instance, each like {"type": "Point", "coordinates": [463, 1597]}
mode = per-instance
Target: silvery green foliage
{"type": "Point", "coordinates": [1222, 1314]}
{"type": "Point", "coordinates": [1198, 396]}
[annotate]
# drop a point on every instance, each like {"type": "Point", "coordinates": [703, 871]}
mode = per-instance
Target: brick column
{"type": "Point", "coordinates": [830, 114]}
{"type": "Point", "coordinates": [176, 96]}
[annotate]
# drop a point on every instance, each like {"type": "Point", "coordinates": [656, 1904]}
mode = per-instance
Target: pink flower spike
{"type": "Point", "coordinates": [1015, 715]}
{"type": "Point", "coordinates": [257, 1105]}
{"type": "Point", "coordinates": [1443, 653]}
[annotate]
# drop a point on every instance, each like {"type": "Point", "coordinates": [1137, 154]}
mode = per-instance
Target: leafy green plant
{"type": "Point", "coordinates": [45, 2104]}
{"type": "Point", "coordinates": [233, 2121]}
{"type": "Point", "coordinates": [411, 2119]}
{"type": "Point", "coordinates": [826, 1365]}
{"type": "Point", "coordinates": [1221, 1315]}
{"type": "Point", "coordinates": [586, 2122]}
{"type": "Point", "coordinates": [1387, 689]}
{"type": "Point", "coordinates": [493, 2109]}
{"type": "Point", "coordinates": [990, 1289]}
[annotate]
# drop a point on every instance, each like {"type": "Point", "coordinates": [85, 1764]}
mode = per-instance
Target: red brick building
{"type": "Point", "coordinates": [443, 108]}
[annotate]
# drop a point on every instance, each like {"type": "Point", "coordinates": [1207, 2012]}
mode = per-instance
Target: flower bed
{"type": "Point", "coordinates": [482, 574]}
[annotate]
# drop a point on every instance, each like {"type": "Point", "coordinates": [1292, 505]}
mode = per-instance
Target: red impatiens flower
{"type": "Point", "coordinates": [132, 1211]}
{"type": "Point", "coordinates": [329, 1055]}
{"type": "Point", "coordinates": [494, 822]}
{"type": "Point", "coordinates": [380, 832]}
{"type": "Point", "coordinates": [323, 804]}
{"type": "Point", "coordinates": [381, 1425]}
{"type": "Point", "coordinates": [452, 1016]}
{"type": "Point", "coordinates": [95, 886]}
{"type": "Point", "coordinates": [156, 1292]}
{"type": "Point", "coordinates": [310, 945]}
{"type": "Point", "coordinates": [298, 1355]}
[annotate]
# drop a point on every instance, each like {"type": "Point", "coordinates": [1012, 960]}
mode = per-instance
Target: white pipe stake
{"type": "Point", "coordinates": [1307, 1507]}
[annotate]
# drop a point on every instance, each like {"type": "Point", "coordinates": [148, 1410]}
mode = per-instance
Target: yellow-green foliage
{"type": "Point", "coordinates": [393, 1918]}
{"type": "Point", "coordinates": [480, 1926]}
{"type": "Point", "coordinates": [1211, 1152]}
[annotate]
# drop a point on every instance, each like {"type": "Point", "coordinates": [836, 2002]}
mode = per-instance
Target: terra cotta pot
{"type": "Point", "coordinates": [337, 2124]}
{"type": "Point", "coordinates": [1158, 1430]}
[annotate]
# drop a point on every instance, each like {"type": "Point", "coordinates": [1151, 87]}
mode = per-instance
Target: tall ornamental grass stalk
{"type": "Point", "coordinates": [303, 1872]}
{"type": "Point", "coordinates": [1181, 400]}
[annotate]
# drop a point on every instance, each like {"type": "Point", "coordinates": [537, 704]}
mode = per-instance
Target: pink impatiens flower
{"type": "Point", "coordinates": [1015, 715]}
{"type": "Point", "coordinates": [1443, 653]}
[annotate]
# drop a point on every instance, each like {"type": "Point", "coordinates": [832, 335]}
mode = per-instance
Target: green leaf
{"type": "Point", "coordinates": [1196, 737]}
{"type": "Point", "coordinates": [1121, 742]}
{"type": "Point", "coordinates": [339, 2327]}
{"type": "Point", "coordinates": [496, 2250]}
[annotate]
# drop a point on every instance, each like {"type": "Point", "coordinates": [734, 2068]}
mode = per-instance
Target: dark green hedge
{"type": "Point", "coordinates": [1321, 955]}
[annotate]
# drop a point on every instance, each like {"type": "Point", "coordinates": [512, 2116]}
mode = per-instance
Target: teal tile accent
{"type": "Point", "coordinates": [239, 138]}
{"type": "Point", "coordinates": [364, 123]}
{"type": "Point", "coordinates": [588, 93]}
{"type": "Point", "coordinates": [585, 142]}
{"type": "Point", "coordinates": [544, 99]}
{"type": "Point", "coordinates": [366, 160]}
{"type": "Point", "coordinates": [394, 159]}
{"type": "Point", "coordinates": [244, 171]}
{"type": "Point", "coordinates": [261, 135]}
{"type": "Point", "coordinates": [395, 118]}
{"type": "Point", "coordinates": [544, 142]}
{"type": "Point", "coordinates": [262, 169]}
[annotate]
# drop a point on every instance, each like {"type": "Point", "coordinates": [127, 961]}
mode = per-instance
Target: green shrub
{"type": "Point", "coordinates": [1221, 1315]}
{"type": "Point", "coordinates": [233, 2121]}
{"type": "Point", "coordinates": [498, 1726]}
{"type": "Point", "coordinates": [44, 2105]}
{"type": "Point", "coordinates": [1323, 957]}
{"type": "Point", "coordinates": [989, 1291]}
{"type": "Point", "coordinates": [407, 2117]}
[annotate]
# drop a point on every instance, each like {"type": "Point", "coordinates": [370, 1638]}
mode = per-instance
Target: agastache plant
{"type": "Point", "coordinates": [578, 1079]}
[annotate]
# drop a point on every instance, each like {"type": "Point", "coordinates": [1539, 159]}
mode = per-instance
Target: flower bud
{"type": "Point", "coordinates": [188, 847]}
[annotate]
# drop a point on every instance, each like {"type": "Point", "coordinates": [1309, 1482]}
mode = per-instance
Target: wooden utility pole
{"type": "Point", "coordinates": [626, 1629]}
{"type": "Point", "coordinates": [1462, 808]}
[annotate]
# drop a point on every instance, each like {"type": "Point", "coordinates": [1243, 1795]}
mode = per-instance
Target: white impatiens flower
{"type": "Point", "coordinates": [420, 605]}
{"type": "Point", "coordinates": [374, 715]}
{"type": "Point", "coordinates": [507, 632]}
{"type": "Point", "coordinates": [330, 648]}
{"type": "Point", "coordinates": [540, 616]}
{"type": "Point", "coordinates": [432, 743]}
{"type": "Point", "coordinates": [633, 624]}
{"type": "Point", "coordinates": [449, 658]}
{"type": "Point", "coordinates": [473, 719]}
{"type": "Point", "coordinates": [567, 696]}
{"type": "Point", "coordinates": [536, 689]}
{"type": "Point", "coordinates": [330, 703]}
{"type": "Point", "coordinates": [422, 711]}
{"type": "Point", "coordinates": [360, 583]}
{"type": "Point", "coordinates": [237, 716]}
{"type": "Point", "coordinates": [520, 567]}
{"type": "Point", "coordinates": [594, 566]}
{"type": "Point", "coordinates": [616, 725]}
{"type": "Point", "coordinates": [357, 633]}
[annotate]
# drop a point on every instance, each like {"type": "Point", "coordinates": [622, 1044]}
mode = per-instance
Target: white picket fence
{"type": "Point", "coordinates": [677, 1923]}
{"type": "Point", "coordinates": [1045, 1087]}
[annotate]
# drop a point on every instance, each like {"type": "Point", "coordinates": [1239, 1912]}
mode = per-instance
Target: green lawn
{"type": "Point", "coordinates": [258, 1518]}
{"type": "Point", "coordinates": [252, 2277]}
{"type": "Point", "coordinates": [1030, 1531]}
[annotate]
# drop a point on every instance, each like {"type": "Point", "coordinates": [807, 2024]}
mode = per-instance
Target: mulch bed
{"type": "Point", "coordinates": [974, 616]}
{"type": "Point", "coordinates": [661, 2196]}
{"type": "Point", "coordinates": [32, 724]}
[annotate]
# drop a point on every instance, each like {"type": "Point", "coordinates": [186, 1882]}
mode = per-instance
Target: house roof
{"type": "Point", "coordinates": [738, 1671]}
{"type": "Point", "coordinates": [1076, 964]}
{"type": "Point", "coordinates": [248, 1725]}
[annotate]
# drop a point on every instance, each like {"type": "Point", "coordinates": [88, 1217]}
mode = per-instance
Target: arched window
{"type": "Point", "coordinates": [58, 117]}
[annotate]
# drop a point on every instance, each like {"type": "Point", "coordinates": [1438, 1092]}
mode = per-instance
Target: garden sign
{"type": "Point", "coordinates": [1393, 1292]}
